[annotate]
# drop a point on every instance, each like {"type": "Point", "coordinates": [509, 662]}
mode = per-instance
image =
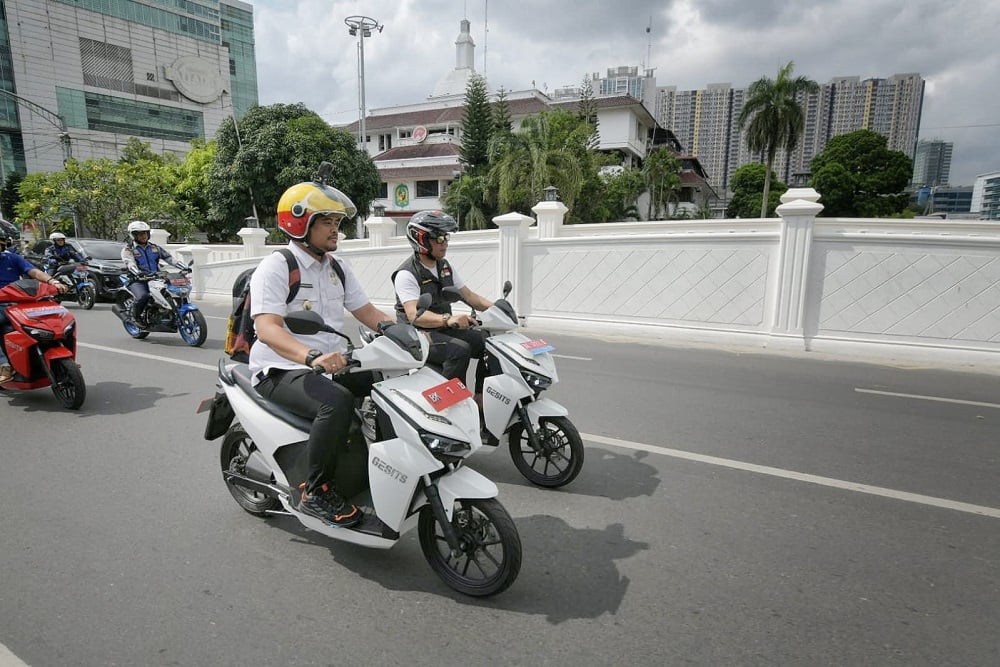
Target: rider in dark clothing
{"type": "Point", "coordinates": [142, 259]}
{"type": "Point", "coordinates": [59, 253]}
{"type": "Point", "coordinates": [453, 342]}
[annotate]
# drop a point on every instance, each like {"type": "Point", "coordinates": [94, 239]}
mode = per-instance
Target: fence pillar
{"type": "Point", "coordinates": [253, 241]}
{"type": "Point", "coordinates": [199, 258]}
{"type": "Point", "coordinates": [159, 236]}
{"type": "Point", "coordinates": [798, 217]}
{"type": "Point", "coordinates": [513, 230]}
{"type": "Point", "coordinates": [550, 218]}
{"type": "Point", "coordinates": [380, 230]}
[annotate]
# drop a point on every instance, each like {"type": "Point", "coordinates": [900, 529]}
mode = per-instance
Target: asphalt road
{"type": "Point", "coordinates": [734, 509]}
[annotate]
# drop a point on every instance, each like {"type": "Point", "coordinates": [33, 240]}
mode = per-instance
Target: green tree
{"type": "Point", "coordinates": [662, 174]}
{"type": "Point", "coordinates": [500, 114]}
{"type": "Point", "coordinates": [477, 126]}
{"type": "Point", "coordinates": [858, 175]}
{"type": "Point", "coordinates": [587, 110]}
{"type": "Point", "coordinates": [467, 199]}
{"type": "Point", "coordinates": [773, 119]}
{"type": "Point", "coordinates": [549, 149]}
{"type": "Point", "coordinates": [278, 146]}
{"type": "Point", "coordinates": [748, 190]}
{"type": "Point", "coordinates": [622, 190]}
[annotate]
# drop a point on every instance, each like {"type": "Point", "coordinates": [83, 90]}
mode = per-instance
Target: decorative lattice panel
{"type": "Point", "coordinates": [930, 294]}
{"type": "Point", "coordinates": [679, 283]}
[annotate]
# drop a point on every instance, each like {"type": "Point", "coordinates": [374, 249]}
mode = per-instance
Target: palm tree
{"type": "Point", "coordinates": [533, 158]}
{"type": "Point", "coordinates": [773, 117]}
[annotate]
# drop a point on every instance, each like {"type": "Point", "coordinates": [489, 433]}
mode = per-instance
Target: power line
{"type": "Point", "coordinates": [956, 127]}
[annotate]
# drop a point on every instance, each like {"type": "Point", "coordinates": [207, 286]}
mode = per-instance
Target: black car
{"type": "Point", "coordinates": [105, 262]}
{"type": "Point", "coordinates": [10, 230]}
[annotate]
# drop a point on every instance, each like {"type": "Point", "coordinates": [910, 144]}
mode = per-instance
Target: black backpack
{"type": "Point", "coordinates": [240, 334]}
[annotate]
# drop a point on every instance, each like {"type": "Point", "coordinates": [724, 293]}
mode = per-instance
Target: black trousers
{"type": "Point", "coordinates": [452, 349]}
{"type": "Point", "coordinates": [330, 404]}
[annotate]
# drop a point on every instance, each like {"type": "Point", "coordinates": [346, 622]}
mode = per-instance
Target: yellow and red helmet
{"type": "Point", "coordinates": [301, 203]}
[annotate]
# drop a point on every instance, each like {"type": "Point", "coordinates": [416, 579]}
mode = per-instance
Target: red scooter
{"type": "Point", "coordinates": [42, 345]}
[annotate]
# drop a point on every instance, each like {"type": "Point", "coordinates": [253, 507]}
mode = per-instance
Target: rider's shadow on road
{"type": "Point", "coordinates": [567, 573]}
{"type": "Point", "coordinates": [119, 398]}
{"type": "Point", "coordinates": [605, 474]}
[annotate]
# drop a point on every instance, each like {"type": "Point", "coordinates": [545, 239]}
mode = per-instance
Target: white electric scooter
{"type": "Point", "coordinates": [544, 444]}
{"type": "Point", "coordinates": [417, 430]}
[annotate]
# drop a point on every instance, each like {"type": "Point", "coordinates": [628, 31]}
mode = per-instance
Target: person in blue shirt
{"type": "Point", "coordinates": [13, 267]}
{"type": "Point", "coordinates": [59, 253]}
{"type": "Point", "coordinates": [142, 259]}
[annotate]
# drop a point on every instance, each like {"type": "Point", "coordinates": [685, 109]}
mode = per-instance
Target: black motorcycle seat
{"type": "Point", "coordinates": [241, 373]}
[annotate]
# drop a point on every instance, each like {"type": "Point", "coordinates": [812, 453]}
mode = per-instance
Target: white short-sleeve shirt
{"type": "Point", "coordinates": [320, 287]}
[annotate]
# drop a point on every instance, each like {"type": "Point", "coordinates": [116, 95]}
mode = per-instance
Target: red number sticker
{"type": "Point", "coordinates": [447, 394]}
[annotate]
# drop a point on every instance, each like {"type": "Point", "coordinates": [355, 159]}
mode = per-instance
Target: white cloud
{"type": "Point", "coordinates": [304, 52]}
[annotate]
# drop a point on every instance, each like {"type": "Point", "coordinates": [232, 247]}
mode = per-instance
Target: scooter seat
{"type": "Point", "coordinates": [241, 373]}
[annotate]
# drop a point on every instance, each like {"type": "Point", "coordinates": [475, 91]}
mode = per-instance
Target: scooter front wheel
{"type": "Point", "coordinates": [490, 556]}
{"type": "Point", "coordinates": [193, 328]}
{"type": "Point", "coordinates": [559, 459]}
{"type": "Point", "coordinates": [69, 386]}
{"type": "Point", "coordinates": [86, 297]}
{"type": "Point", "coordinates": [233, 455]}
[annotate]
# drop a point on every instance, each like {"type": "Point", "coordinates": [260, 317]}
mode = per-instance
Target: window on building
{"type": "Point", "coordinates": [383, 190]}
{"type": "Point", "coordinates": [428, 188]}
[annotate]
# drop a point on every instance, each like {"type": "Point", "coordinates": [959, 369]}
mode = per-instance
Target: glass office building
{"type": "Point", "coordinates": [90, 74]}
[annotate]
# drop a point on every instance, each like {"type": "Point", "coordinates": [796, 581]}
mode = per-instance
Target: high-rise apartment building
{"type": "Point", "coordinates": [932, 163]}
{"type": "Point", "coordinates": [986, 196]}
{"type": "Point", "coordinates": [705, 121]}
{"type": "Point", "coordinates": [626, 80]}
{"type": "Point", "coordinates": [80, 77]}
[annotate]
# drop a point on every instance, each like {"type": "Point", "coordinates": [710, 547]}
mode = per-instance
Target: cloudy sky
{"type": "Point", "coordinates": [305, 54]}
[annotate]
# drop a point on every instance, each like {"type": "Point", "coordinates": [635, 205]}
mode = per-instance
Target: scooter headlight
{"type": "Point", "coordinates": [440, 445]}
{"type": "Point", "coordinates": [536, 382]}
{"type": "Point", "coordinates": [40, 334]}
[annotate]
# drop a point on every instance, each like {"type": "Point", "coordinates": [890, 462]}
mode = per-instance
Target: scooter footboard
{"type": "Point", "coordinates": [464, 483]}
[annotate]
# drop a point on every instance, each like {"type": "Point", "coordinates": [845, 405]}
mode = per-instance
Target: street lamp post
{"type": "Point", "coordinates": [362, 27]}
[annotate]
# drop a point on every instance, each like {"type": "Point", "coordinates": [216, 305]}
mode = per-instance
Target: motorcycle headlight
{"type": "Point", "coordinates": [440, 445]}
{"type": "Point", "coordinates": [40, 334]}
{"type": "Point", "coordinates": [536, 382]}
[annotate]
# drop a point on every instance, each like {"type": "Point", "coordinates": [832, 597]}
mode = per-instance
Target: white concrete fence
{"type": "Point", "coordinates": [871, 287]}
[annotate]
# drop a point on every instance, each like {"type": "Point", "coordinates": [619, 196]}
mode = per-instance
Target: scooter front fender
{"type": "Point", "coordinates": [464, 483]}
{"type": "Point", "coordinates": [186, 308]}
{"type": "Point", "coordinates": [545, 407]}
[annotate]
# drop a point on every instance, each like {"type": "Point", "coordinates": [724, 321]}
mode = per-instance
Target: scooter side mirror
{"type": "Point", "coordinates": [423, 303]}
{"type": "Point", "coordinates": [508, 287]}
{"type": "Point", "coordinates": [306, 323]}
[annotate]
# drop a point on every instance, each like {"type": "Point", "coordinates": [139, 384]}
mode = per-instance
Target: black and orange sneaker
{"type": "Point", "coordinates": [329, 506]}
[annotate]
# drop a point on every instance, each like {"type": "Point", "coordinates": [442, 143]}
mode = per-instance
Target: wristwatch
{"type": "Point", "coordinates": [311, 356]}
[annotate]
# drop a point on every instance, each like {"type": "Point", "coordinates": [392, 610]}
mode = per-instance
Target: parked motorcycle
{"type": "Point", "coordinates": [544, 444]}
{"type": "Point", "coordinates": [79, 287]}
{"type": "Point", "coordinates": [168, 310]}
{"type": "Point", "coordinates": [415, 430]}
{"type": "Point", "coordinates": [42, 343]}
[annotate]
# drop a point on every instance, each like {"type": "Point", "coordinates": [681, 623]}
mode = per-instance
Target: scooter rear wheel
{"type": "Point", "coordinates": [236, 447]}
{"type": "Point", "coordinates": [561, 457]}
{"type": "Point", "coordinates": [490, 557]}
{"type": "Point", "coordinates": [69, 386]}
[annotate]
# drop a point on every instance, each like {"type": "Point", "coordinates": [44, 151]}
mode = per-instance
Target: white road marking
{"type": "Point", "coordinates": [567, 356]}
{"type": "Point", "coordinates": [702, 458]}
{"type": "Point", "coordinates": [145, 355]}
{"type": "Point", "coordinates": [8, 659]}
{"type": "Point", "coordinates": [926, 398]}
{"type": "Point", "coordinates": [801, 477]}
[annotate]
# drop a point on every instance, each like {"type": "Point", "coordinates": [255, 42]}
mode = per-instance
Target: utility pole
{"type": "Point", "coordinates": [362, 26]}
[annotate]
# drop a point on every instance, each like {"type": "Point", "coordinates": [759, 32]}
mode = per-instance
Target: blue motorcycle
{"type": "Point", "coordinates": [79, 287]}
{"type": "Point", "coordinates": [168, 310]}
